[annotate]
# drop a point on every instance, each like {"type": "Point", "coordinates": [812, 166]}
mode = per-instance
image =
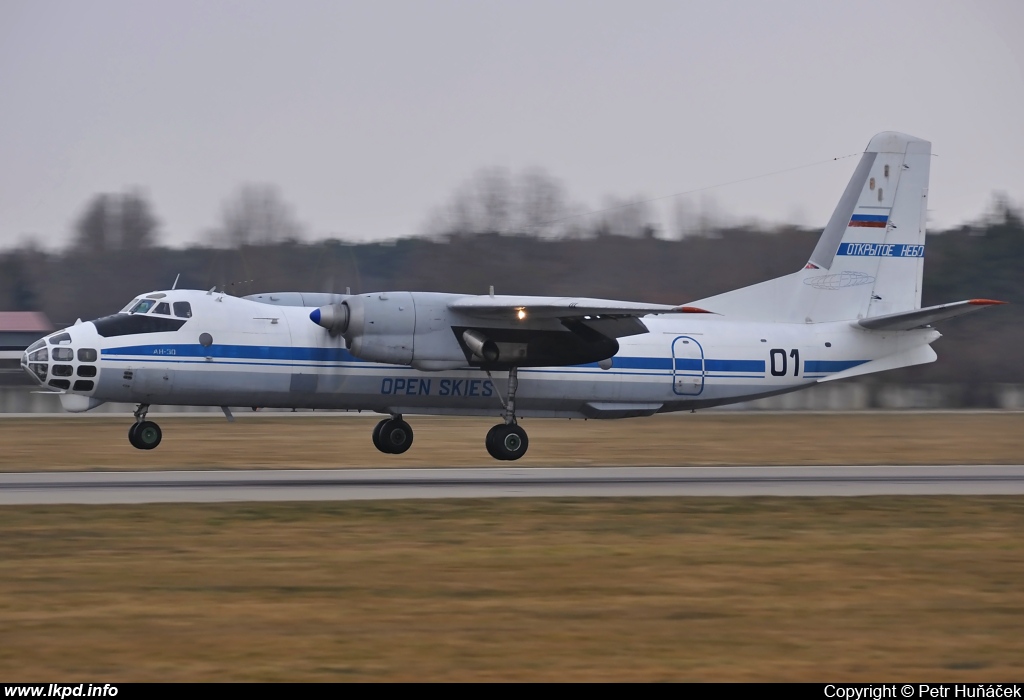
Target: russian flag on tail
{"type": "Point", "coordinates": [869, 220]}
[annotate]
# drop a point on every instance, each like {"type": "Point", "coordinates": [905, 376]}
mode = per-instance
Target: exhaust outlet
{"type": "Point", "coordinates": [481, 346]}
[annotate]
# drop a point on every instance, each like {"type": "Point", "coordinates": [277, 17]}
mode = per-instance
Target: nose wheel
{"type": "Point", "coordinates": [392, 436]}
{"type": "Point", "coordinates": [144, 434]}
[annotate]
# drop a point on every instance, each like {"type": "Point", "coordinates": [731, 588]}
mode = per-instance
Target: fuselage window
{"type": "Point", "coordinates": [60, 383]}
{"type": "Point", "coordinates": [163, 308]}
{"type": "Point", "coordinates": [62, 370]}
{"type": "Point", "coordinates": [84, 385]}
{"type": "Point", "coordinates": [182, 309]}
{"type": "Point", "coordinates": [142, 307]}
{"type": "Point", "coordinates": [63, 354]}
{"type": "Point", "coordinates": [86, 371]}
{"type": "Point", "coordinates": [86, 355]}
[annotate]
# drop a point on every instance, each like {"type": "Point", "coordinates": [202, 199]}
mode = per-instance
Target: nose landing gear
{"type": "Point", "coordinates": [144, 434]}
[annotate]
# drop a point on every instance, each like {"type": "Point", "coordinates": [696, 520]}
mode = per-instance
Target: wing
{"type": "Point", "coordinates": [609, 317]}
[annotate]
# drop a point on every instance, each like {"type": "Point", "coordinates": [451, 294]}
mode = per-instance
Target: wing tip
{"type": "Point", "coordinates": [691, 310]}
{"type": "Point", "coordinates": [986, 302]}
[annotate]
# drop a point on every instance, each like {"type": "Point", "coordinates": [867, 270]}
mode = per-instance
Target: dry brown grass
{"type": "Point", "coordinates": [830, 590]}
{"type": "Point", "coordinates": [323, 441]}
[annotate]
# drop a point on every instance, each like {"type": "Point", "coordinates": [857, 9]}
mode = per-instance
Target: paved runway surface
{"type": "Point", "coordinates": [379, 484]}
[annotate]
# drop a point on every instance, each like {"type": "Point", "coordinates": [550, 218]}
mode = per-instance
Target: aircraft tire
{"type": "Point", "coordinates": [395, 436]}
{"type": "Point", "coordinates": [490, 441]}
{"type": "Point", "coordinates": [147, 435]}
{"type": "Point", "coordinates": [376, 435]}
{"type": "Point", "coordinates": [507, 442]}
{"type": "Point", "coordinates": [131, 436]}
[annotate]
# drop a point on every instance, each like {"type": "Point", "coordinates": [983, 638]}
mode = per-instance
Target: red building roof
{"type": "Point", "coordinates": [25, 321]}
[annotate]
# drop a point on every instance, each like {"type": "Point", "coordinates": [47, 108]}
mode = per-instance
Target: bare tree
{"type": "Point", "coordinates": [495, 201]}
{"type": "Point", "coordinates": [116, 222]}
{"type": "Point", "coordinates": [257, 215]}
{"type": "Point", "coordinates": [94, 231]}
{"type": "Point", "coordinates": [626, 217]}
{"type": "Point", "coordinates": [543, 210]}
{"type": "Point", "coordinates": [684, 217]}
{"type": "Point", "coordinates": [138, 226]}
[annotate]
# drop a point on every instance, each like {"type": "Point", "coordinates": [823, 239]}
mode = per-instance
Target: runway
{"type": "Point", "coordinates": [503, 482]}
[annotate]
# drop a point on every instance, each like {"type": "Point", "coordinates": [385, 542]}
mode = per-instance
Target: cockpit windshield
{"type": "Point", "coordinates": [129, 305]}
{"type": "Point", "coordinates": [142, 307]}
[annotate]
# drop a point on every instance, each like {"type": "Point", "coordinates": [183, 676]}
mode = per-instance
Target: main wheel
{"type": "Point", "coordinates": [507, 442]}
{"type": "Point", "coordinates": [376, 434]}
{"type": "Point", "coordinates": [491, 441]}
{"type": "Point", "coordinates": [131, 436]}
{"type": "Point", "coordinates": [146, 436]}
{"type": "Point", "coordinates": [395, 436]}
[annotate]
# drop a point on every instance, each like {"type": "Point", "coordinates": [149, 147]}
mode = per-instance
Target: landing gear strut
{"type": "Point", "coordinates": [507, 441]}
{"type": "Point", "coordinates": [392, 435]}
{"type": "Point", "coordinates": [144, 434]}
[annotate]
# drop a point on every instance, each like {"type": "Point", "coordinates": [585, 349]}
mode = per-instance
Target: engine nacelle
{"type": "Point", "coordinates": [419, 329]}
{"type": "Point", "coordinates": [402, 328]}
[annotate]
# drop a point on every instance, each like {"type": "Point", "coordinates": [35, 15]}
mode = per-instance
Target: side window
{"type": "Point", "coordinates": [163, 308]}
{"type": "Point", "coordinates": [182, 309]}
{"type": "Point", "coordinates": [86, 355]}
{"type": "Point", "coordinates": [63, 354]}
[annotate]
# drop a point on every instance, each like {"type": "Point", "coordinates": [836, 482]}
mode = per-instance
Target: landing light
{"type": "Point", "coordinates": [521, 314]}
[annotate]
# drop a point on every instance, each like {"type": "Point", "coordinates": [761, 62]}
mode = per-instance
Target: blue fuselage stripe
{"type": "Point", "coordinates": [338, 357]}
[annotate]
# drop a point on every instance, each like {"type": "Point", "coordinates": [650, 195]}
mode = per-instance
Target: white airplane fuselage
{"type": "Point", "coordinates": [273, 356]}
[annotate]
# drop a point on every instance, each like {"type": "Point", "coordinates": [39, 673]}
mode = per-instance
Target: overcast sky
{"type": "Point", "coordinates": [368, 115]}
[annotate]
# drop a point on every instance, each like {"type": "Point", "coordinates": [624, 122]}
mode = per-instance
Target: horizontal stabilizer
{"type": "Point", "coordinates": [919, 318]}
{"type": "Point", "coordinates": [558, 307]}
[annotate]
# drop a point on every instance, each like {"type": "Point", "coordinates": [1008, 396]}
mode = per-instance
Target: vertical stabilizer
{"type": "Point", "coordinates": [869, 260]}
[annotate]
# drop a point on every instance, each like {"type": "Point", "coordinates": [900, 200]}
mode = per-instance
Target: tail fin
{"type": "Point", "coordinates": [869, 260]}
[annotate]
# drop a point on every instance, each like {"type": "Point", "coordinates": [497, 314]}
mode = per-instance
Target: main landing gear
{"type": "Point", "coordinates": [144, 434]}
{"type": "Point", "coordinates": [392, 435]}
{"type": "Point", "coordinates": [506, 441]}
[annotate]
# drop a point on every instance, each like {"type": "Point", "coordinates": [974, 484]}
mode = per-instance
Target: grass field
{"type": "Point", "coordinates": [323, 441]}
{"type": "Point", "coordinates": [812, 589]}
{"type": "Point", "coordinates": [820, 589]}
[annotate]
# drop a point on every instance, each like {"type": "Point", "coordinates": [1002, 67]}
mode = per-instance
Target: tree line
{"type": "Point", "coordinates": [985, 259]}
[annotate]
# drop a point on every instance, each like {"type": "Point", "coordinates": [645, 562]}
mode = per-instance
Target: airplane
{"type": "Point", "coordinates": [853, 309]}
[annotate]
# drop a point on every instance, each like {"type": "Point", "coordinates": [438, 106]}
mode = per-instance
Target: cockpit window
{"type": "Point", "coordinates": [142, 307]}
{"type": "Point", "coordinates": [59, 339]}
{"type": "Point", "coordinates": [163, 308]}
{"type": "Point", "coordinates": [36, 345]}
{"type": "Point", "coordinates": [129, 306]}
{"type": "Point", "coordinates": [182, 309]}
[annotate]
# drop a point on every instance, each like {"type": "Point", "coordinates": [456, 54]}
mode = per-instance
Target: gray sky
{"type": "Point", "coordinates": [368, 115]}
